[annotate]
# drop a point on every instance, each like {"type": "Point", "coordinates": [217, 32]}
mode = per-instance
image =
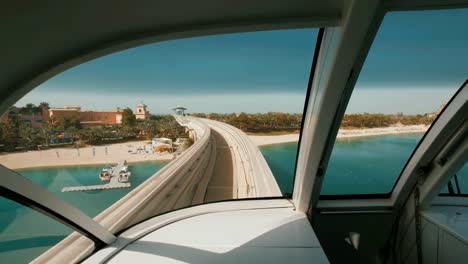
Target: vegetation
{"type": "Point", "coordinates": [18, 135]}
{"type": "Point", "coordinates": [380, 120]}
{"type": "Point", "coordinates": [128, 119]}
{"type": "Point", "coordinates": [258, 123]}
{"type": "Point", "coordinates": [280, 123]}
{"type": "Point", "coordinates": [30, 108]}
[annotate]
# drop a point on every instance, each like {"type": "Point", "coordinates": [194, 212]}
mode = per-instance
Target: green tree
{"type": "Point", "coordinates": [28, 136]}
{"type": "Point", "coordinates": [44, 105]}
{"type": "Point", "coordinates": [27, 109]}
{"type": "Point", "coordinates": [148, 128]}
{"type": "Point", "coordinates": [44, 133]}
{"type": "Point", "coordinates": [10, 133]}
{"type": "Point", "coordinates": [128, 118]}
{"type": "Point", "coordinates": [92, 135]}
{"type": "Point", "coordinates": [63, 124]}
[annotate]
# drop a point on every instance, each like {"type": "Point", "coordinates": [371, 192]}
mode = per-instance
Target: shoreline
{"type": "Point", "coordinates": [78, 165]}
{"type": "Point", "coordinates": [87, 156]}
{"type": "Point", "coordinates": [108, 154]}
{"type": "Point", "coordinates": [342, 134]}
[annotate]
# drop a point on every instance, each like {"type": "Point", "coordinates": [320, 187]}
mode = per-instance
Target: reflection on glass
{"type": "Point", "coordinates": [90, 202]}
{"type": "Point", "coordinates": [69, 134]}
{"type": "Point", "coordinates": [368, 164]}
{"type": "Point", "coordinates": [411, 72]}
{"type": "Point", "coordinates": [25, 234]}
{"type": "Point", "coordinates": [282, 160]}
{"type": "Point", "coordinates": [458, 184]}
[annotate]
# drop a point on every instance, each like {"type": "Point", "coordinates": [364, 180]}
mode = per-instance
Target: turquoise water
{"type": "Point", "coordinates": [365, 165]}
{"type": "Point", "coordinates": [369, 165]}
{"type": "Point", "coordinates": [282, 161]}
{"type": "Point", "coordinates": [90, 202]}
{"type": "Point", "coordinates": [25, 234]}
{"type": "Point", "coordinates": [357, 166]}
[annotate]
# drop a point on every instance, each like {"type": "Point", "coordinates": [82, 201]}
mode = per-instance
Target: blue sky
{"type": "Point", "coordinates": [416, 63]}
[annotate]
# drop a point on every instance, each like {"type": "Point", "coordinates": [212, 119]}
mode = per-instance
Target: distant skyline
{"type": "Point", "coordinates": [415, 64]}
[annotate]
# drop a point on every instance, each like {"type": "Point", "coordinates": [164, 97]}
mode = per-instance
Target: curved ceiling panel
{"type": "Point", "coordinates": [42, 39]}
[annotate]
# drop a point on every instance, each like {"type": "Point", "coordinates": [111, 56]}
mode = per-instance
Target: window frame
{"type": "Point", "coordinates": [397, 179]}
{"type": "Point", "coordinates": [459, 192]}
{"type": "Point", "coordinates": [19, 189]}
{"type": "Point", "coordinates": [326, 154]}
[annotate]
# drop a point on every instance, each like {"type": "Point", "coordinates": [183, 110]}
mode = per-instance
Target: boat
{"type": "Point", "coordinates": [124, 174]}
{"type": "Point", "coordinates": [106, 173]}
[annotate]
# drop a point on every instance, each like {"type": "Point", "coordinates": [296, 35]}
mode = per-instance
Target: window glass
{"type": "Point", "coordinates": [458, 185]}
{"type": "Point", "coordinates": [282, 160]}
{"type": "Point", "coordinates": [412, 70]}
{"type": "Point", "coordinates": [91, 202]}
{"type": "Point", "coordinates": [152, 106]}
{"type": "Point", "coordinates": [25, 233]}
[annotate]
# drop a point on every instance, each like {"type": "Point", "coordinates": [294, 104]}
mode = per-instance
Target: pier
{"type": "Point", "coordinates": [113, 183]}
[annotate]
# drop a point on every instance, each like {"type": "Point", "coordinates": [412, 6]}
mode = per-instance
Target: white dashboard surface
{"type": "Point", "coordinates": [278, 235]}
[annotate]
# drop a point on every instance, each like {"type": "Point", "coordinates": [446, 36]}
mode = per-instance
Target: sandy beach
{"type": "Point", "coordinates": [342, 133]}
{"type": "Point", "coordinates": [270, 140]}
{"type": "Point", "coordinates": [112, 153]}
{"type": "Point", "coordinates": [352, 133]}
{"type": "Point", "coordinates": [92, 155]}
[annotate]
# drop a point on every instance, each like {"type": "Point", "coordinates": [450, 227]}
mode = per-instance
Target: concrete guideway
{"type": "Point", "coordinates": [223, 163]}
{"type": "Point", "coordinates": [240, 170]}
{"type": "Point", "coordinates": [251, 171]}
{"type": "Point", "coordinates": [222, 185]}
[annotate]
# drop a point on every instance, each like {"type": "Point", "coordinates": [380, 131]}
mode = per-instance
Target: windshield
{"type": "Point", "coordinates": [162, 126]}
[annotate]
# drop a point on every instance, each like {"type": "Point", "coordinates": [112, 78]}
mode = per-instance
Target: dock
{"type": "Point", "coordinates": [113, 183]}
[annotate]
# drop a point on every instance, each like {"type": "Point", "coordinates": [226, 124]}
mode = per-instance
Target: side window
{"type": "Point", "coordinates": [458, 184]}
{"type": "Point", "coordinates": [410, 73]}
{"type": "Point", "coordinates": [21, 240]}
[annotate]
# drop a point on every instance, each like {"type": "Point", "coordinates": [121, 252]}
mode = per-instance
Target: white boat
{"type": "Point", "coordinates": [106, 173]}
{"type": "Point", "coordinates": [124, 174]}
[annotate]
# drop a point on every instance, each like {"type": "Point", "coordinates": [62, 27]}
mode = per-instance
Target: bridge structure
{"type": "Point", "coordinates": [239, 169]}
{"type": "Point", "coordinates": [222, 164]}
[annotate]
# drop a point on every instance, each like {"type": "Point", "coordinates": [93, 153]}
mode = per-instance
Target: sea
{"type": "Point", "coordinates": [367, 165]}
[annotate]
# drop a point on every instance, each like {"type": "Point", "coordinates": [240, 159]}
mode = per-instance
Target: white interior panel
{"type": "Point", "coordinates": [245, 236]}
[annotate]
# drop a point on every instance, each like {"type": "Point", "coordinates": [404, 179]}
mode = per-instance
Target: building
{"type": "Point", "coordinates": [34, 119]}
{"type": "Point", "coordinates": [141, 112]}
{"type": "Point", "coordinates": [94, 118]}
{"type": "Point", "coordinates": [91, 118]}
{"type": "Point", "coordinates": [63, 112]}
{"type": "Point", "coordinates": [86, 118]}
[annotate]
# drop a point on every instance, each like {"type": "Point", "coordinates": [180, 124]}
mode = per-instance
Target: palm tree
{"type": "Point", "coordinates": [45, 133]}
{"type": "Point", "coordinates": [44, 105]}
